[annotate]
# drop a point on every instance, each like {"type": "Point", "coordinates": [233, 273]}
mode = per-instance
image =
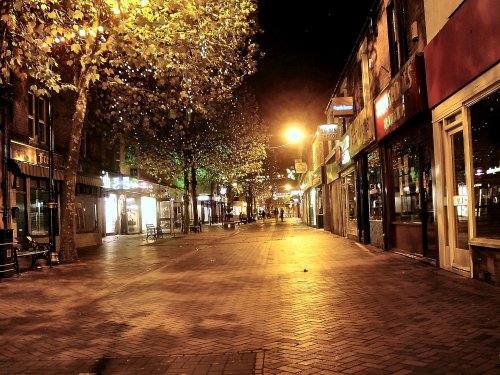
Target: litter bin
{"type": "Point", "coordinates": [7, 268]}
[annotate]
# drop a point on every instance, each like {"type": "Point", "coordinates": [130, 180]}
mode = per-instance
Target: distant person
{"type": "Point", "coordinates": [276, 214]}
{"type": "Point", "coordinates": [282, 214]}
{"type": "Point", "coordinates": [263, 215]}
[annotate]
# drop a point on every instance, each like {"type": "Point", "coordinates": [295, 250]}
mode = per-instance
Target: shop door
{"type": "Point", "coordinates": [350, 208]}
{"type": "Point", "coordinates": [457, 212]}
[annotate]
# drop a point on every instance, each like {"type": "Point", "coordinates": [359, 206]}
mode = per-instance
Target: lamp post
{"type": "Point", "coordinates": [52, 204]}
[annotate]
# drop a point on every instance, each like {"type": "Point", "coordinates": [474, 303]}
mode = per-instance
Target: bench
{"type": "Point", "coordinates": [195, 228]}
{"type": "Point", "coordinates": [30, 247]}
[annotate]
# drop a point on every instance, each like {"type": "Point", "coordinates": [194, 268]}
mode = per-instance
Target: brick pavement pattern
{"type": "Point", "coordinates": [265, 298]}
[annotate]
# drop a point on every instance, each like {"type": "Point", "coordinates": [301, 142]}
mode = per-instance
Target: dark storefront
{"type": "Point", "coordinates": [404, 131]}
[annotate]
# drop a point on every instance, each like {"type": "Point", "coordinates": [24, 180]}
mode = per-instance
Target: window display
{"type": "Point", "coordinates": [39, 195]}
{"type": "Point", "coordinates": [132, 215]}
{"type": "Point", "coordinates": [406, 181]}
{"type": "Point", "coordinates": [375, 185]}
{"type": "Point", "coordinates": [485, 117]}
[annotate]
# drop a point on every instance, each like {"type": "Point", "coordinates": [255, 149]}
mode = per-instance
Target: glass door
{"type": "Point", "coordinates": [457, 241]}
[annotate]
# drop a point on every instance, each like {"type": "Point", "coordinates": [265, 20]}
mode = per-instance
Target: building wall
{"type": "Point", "coordinates": [378, 41]}
{"type": "Point", "coordinates": [437, 13]}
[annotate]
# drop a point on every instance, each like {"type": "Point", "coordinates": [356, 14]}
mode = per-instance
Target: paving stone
{"type": "Point", "coordinates": [223, 302]}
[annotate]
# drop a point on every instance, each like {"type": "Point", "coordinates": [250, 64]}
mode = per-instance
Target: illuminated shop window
{"type": "Point", "coordinates": [485, 118]}
{"type": "Point", "coordinates": [406, 186]}
{"type": "Point", "coordinates": [375, 185]}
{"type": "Point", "coordinates": [39, 195]}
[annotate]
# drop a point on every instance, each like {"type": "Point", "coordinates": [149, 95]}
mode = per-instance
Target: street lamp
{"type": "Point", "coordinates": [293, 135]}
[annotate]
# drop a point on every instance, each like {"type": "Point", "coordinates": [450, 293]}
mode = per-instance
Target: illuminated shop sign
{"type": "Point", "coordinates": [403, 98]}
{"type": "Point", "coordinates": [493, 170]}
{"type": "Point", "coordinates": [342, 106]}
{"type": "Point", "coordinates": [33, 155]}
{"type": "Point", "coordinates": [125, 183]}
{"type": "Point", "coordinates": [344, 147]}
{"type": "Point", "coordinates": [203, 197]}
{"type": "Point", "coordinates": [300, 166]}
{"type": "Point", "coordinates": [327, 131]}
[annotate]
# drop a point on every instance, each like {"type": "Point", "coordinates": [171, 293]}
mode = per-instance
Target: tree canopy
{"type": "Point", "coordinates": [181, 54]}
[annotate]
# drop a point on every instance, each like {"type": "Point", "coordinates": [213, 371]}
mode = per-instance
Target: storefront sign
{"type": "Point", "coordinates": [361, 132]}
{"type": "Point", "coordinates": [317, 177]}
{"type": "Point", "coordinates": [344, 149]}
{"type": "Point", "coordinates": [33, 155]}
{"type": "Point", "coordinates": [125, 183]}
{"type": "Point", "coordinates": [332, 171]}
{"type": "Point", "coordinates": [327, 132]}
{"type": "Point", "coordinates": [203, 197]}
{"type": "Point", "coordinates": [403, 98]}
{"type": "Point", "coordinates": [300, 167]}
{"type": "Point", "coordinates": [342, 106]}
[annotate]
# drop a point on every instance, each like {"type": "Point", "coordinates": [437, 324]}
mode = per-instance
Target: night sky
{"type": "Point", "coordinates": [306, 45]}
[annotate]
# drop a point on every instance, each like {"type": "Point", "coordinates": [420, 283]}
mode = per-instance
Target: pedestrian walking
{"type": "Point", "coordinates": [263, 215]}
{"type": "Point", "coordinates": [282, 214]}
{"type": "Point", "coordinates": [276, 214]}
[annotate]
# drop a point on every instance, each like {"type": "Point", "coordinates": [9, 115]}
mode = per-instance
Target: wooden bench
{"type": "Point", "coordinates": [29, 247]}
{"type": "Point", "coordinates": [195, 228]}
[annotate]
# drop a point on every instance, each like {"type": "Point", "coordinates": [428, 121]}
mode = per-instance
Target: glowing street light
{"type": "Point", "coordinates": [293, 135]}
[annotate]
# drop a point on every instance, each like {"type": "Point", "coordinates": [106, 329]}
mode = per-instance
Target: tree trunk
{"type": "Point", "coordinates": [249, 203]}
{"type": "Point", "coordinates": [185, 226]}
{"type": "Point", "coordinates": [67, 252]}
{"type": "Point", "coordinates": [194, 195]}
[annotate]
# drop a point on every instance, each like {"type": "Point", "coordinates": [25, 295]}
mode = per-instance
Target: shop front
{"type": "Point", "coordinates": [465, 115]}
{"type": "Point", "coordinates": [129, 204]}
{"type": "Point", "coordinates": [405, 135]}
{"type": "Point", "coordinates": [316, 202]}
{"type": "Point", "coordinates": [308, 206]}
{"type": "Point", "coordinates": [374, 196]}
{"type": "Point", "coordinates": [30, 196]}
{"type": "Point", "coordinates": [350, 191]}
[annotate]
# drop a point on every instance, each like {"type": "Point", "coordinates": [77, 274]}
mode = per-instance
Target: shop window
{"type": "Point", "coordinates": [37, 117]}
{"type": "Point", "coordinates": [352, 209]}
{"type": "Point", "coordinates": [406, 185]}
{"type": "Point", "coordinates": [86, 213]}
{"type": "Point", "coordinates": [39, 211]}
{"type": "Point", "coordinates": [132, 215]}
{"type": "Point", "coordinates": [485, 117]}
{"type": "Point", "coordinates": [375, 185]}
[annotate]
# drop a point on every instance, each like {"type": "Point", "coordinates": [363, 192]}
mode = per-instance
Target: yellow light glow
{"type": "Point", "coordinates": [294, 135]}
{"type": "Point", "coordinates": [100, 29]}
{"type": "Point", "coordinates": [116, 10]}
{"type": "Point", "coordinates": [81, 32]}
{"type": "Point", "coordinates": [288, 187]}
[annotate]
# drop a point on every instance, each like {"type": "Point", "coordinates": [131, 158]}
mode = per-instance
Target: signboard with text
{"type": "Point", "coordinates": [342, 106]}
{"type": "Point", "coordinates": [402, 99]}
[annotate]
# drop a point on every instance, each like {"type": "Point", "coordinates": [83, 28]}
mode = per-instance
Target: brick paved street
{"type": "Point", "coordinates": [240, 302]}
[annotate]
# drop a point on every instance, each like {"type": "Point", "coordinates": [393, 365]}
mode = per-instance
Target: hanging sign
{"type": "Point", "coordinates": [342, 106]}
{"type": "Point", "coordinates": [403, 98]}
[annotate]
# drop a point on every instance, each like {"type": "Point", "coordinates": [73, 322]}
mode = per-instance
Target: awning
{"type": "Point", "coordinates": [34, 170]}
{"type": "Point", "coordinates": [89, 180]}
